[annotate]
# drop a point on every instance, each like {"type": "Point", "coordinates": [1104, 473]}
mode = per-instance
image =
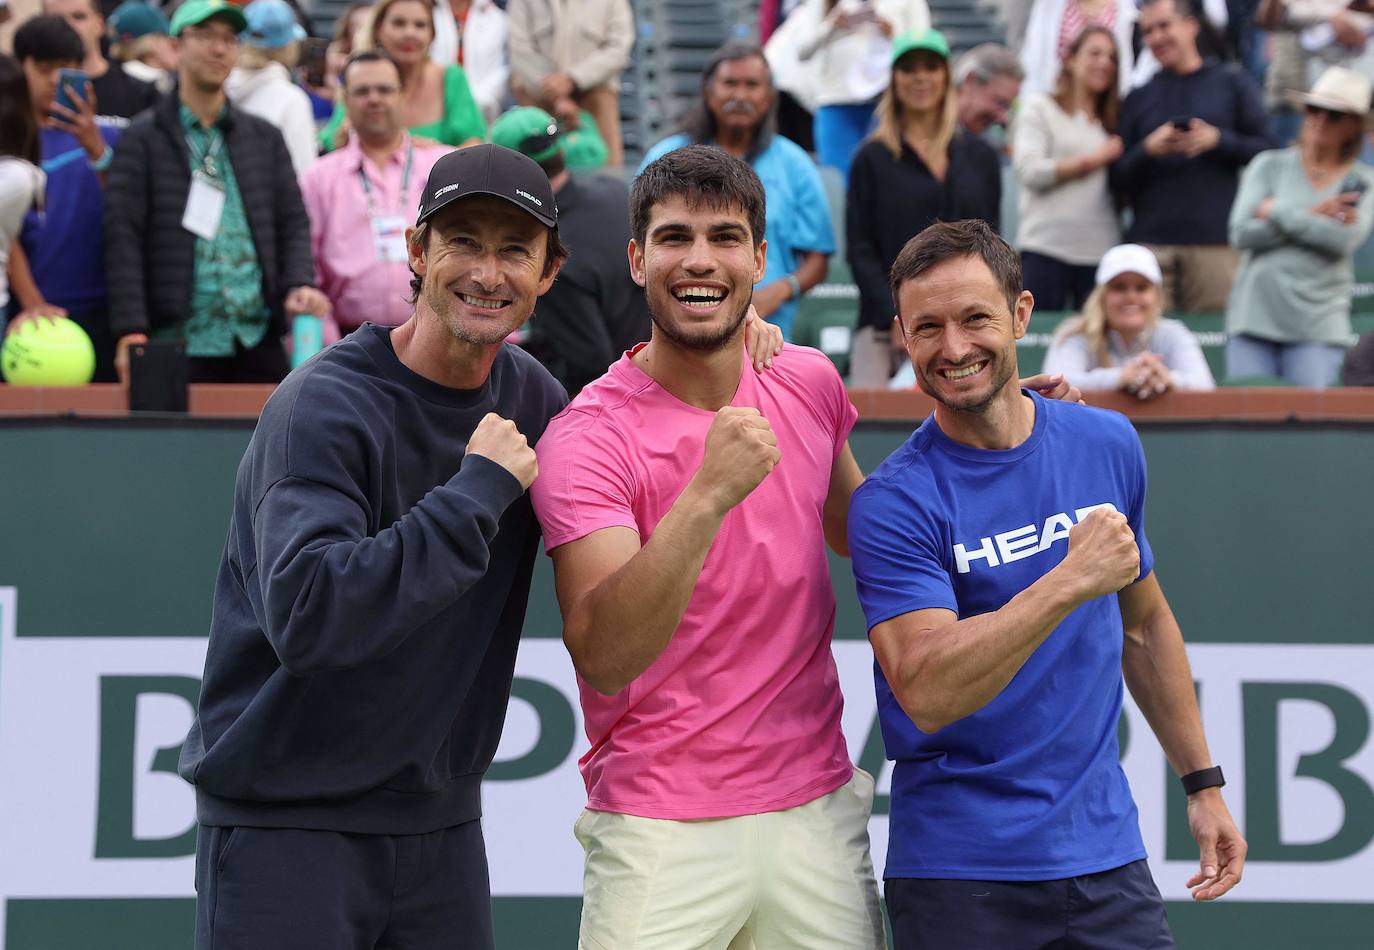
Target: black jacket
{"type": "Point", "coordinates": [150, 257]}
{"type": "Point", "coordinates": [891, 200]}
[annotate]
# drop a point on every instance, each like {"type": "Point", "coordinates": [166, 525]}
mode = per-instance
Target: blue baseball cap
{"type": "Point", "coordinates": [272, 24]}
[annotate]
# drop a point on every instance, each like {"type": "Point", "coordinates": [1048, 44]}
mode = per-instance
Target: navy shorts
{"type": "Point", "coordinates": [280, 888]}
{"type": "Point", "coordinates": [1112, 910]}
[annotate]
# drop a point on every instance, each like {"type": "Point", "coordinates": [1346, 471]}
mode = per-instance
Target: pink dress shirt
{"type": "Point", "coordinates": [347, 269]}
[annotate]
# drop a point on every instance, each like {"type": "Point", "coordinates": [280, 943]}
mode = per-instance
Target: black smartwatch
{"type": "Point", "coordinates": [1203, 778]}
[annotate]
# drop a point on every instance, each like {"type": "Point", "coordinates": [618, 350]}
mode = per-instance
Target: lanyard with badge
{"type": "Point", "coordinates": [389, 230]}
{"type": "Point", "coordinates": [205, 203]}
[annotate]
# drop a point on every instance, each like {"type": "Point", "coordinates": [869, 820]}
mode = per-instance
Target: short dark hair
{"type": "Point", "coordinates": [554, 252]}
{"type": "Point", "coordinates": [48, 39]}
{"type": "Point", "coordinates": [18, 130]}
{"type": "Point", "coordinates": [949, 240]}
{"type": "Point", "coordinates": [698, 173]}
{"type": "Point", "coordinates": [369, 56]}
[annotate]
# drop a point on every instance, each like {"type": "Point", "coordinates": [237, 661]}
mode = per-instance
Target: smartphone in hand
{"type": "Point", "coordinates": [71, 86]}
{"type": "Point", "coordinates": [1352, 184]}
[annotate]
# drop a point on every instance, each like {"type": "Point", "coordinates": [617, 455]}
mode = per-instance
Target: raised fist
{"type": "Point", "coordinates": [499, 440]}
{"type": "Point", "coordinates": [741, 450]}
{"type": "Point", "coordinates": [1103, 553]}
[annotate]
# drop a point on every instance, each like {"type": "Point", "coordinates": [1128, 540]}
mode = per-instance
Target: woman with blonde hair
{"type": "Point", "coordinates": [1062, 146]}
{"type": "Point", "coordinates": [261, 82]}
{"type": "Point", "coordinates": [438, 101]}
{"type": "Point", "coordinates": [1121, 341]}
{"type": "Point", "coordinates": [848, 46]}
{"type": "Point", "coordinates": [1299, 216]}
{"type": "Point", "coordinates": [915, 169]}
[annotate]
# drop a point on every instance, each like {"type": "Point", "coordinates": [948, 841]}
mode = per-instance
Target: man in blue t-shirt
{"type": "Point", "coordinates": [1003, 567]}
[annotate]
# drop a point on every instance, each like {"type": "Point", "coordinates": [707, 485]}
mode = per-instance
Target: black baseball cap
{"type": "Point", "coordinates": [489, 170]}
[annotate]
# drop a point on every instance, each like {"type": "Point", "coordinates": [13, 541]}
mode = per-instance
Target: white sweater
{"type": "Point", "coordinates": [270, 94]}
{"type": "Point", "coordinates": [1074, 221]}
{"type": "Point", "coordinates": [853, 66]}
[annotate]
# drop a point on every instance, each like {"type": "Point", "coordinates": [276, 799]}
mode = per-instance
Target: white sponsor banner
{"type": "Point", "coordinates": [51, 745]}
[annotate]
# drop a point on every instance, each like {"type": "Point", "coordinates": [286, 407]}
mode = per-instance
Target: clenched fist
{"type": "Point", "coordinates": [1103, 553]}
{"type": "Point", "coordinates": [741, 450]}
{"type": "Point", "coordinates": [499, 440]}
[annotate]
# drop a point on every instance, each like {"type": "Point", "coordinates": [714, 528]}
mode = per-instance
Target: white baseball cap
{"type": "Point", "coordinates": [1129, 259]}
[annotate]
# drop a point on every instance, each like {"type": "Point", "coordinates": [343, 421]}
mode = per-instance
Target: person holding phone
{"type": "Point", "coordinates": [1300, 215]}
{"type": "Point", "coordinates": [1187, 133]}
{"type": "Point", "coordinates": [58, 267]}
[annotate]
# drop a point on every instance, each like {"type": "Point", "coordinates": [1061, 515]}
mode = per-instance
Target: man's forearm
{"type": "Point", "coordinates": [1155, 664]}
{"type": "Point", "coordinates": [955, 670]}
{"type": "Point", "coordinates": [616, 630]}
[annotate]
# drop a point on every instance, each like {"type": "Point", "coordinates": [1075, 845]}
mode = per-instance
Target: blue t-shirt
{"type": "Point", "coordinates": [1029, 787]}
{"type": "Point", "coordinates": [798, 217]}
{"type": "Point", "coordinates": [65, 243]}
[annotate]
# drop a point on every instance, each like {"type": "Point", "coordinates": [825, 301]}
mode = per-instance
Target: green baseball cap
{"type": "Point", "coordinates": [530, 131]}
{"type": "Point", "coordinates": [929, 39]}
{"type": "Point", "coordinates": [196, 12]}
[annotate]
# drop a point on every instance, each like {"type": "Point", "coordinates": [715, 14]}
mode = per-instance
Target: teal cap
{"type": "Point", "coordinates": [196, 12]}
{"type": "Point", "coordinates": [930, 40]}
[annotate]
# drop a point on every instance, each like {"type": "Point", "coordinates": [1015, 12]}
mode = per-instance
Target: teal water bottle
{"type": "Point", "coordinates": [307, 337]}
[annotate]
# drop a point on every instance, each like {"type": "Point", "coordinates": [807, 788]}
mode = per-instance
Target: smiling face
{"type": "Point", "coordinates": [960, 333]}
{"type": "Point", "coordinates": [985, 104]}
{"type": "Point", "coordinates": [1172, 38]}
{"type": "Point", "coordinates": [919, 81]}
{"type": "Point", "coordinates": [1130, 303]}
{"type": "Point", "coordinates": [698, 266]}
{"type": "Point", "coordinates": [405, 31]}
{"type": "Point", "coordinates": [1093, 66]}
{"type": "Point", "coordinates": [482, 266]}
{"type": "Point", "coordinates": [739, 94]}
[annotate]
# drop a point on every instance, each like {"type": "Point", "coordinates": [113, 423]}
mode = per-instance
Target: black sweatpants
{"type": "Point", "coordinates": [288, 889]}
{"type": "Point", "coordinates": [1113, 910]}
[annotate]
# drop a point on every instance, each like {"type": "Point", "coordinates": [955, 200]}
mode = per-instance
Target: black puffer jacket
{"type": "Point", "coordinates": [150, 257]}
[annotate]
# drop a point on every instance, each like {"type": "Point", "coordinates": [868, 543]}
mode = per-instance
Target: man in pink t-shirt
{"type": "Point", "coordinates": [686, 501]}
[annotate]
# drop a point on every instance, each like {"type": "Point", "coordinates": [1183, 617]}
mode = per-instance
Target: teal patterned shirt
{"type": "Point", "coordinates": [226, 291]}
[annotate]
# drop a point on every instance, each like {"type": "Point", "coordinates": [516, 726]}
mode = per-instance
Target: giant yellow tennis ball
{"type": "Point", "coordinates": [49, 351]}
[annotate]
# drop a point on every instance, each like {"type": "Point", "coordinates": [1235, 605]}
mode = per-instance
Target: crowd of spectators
{"type": "Point", "coordinates": [206, 171]}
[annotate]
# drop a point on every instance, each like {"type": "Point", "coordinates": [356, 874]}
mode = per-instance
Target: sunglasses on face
{"type": "Point", "coordinates": [1331, 115]}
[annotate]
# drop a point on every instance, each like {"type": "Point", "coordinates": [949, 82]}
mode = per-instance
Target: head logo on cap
{"type": "Point", "coordinates": [490, 170]}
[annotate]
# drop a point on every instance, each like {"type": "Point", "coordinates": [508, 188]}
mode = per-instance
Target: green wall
{"type": "Point", "coordinates": [116, 530]}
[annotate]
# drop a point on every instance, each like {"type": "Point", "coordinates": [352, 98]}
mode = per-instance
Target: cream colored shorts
{"type": "Point", "coordinates": [800, 879]}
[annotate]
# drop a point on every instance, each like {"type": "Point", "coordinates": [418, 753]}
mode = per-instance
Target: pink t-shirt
{"type": "Point", "coordinates": [740, 715]}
